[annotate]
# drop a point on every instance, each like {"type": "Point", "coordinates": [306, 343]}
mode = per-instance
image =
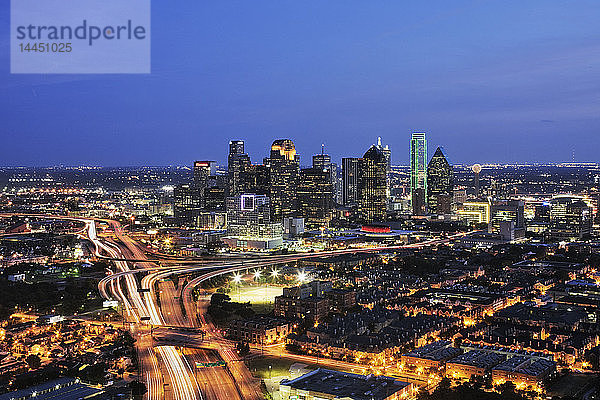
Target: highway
{"type": "Point", "coordinates": [168, 372]}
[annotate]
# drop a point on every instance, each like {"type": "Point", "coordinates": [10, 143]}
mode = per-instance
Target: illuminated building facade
{"type": "Point", "coordinates": [350, 181]}
{"type": "Point", "coordinates": [475, 212]}
{"type": "Point", "coordinates": [372, 186]}
{"type": "Point", "coordinates": [203, 170]}
{"type": "Point", "coordinates": [315, 197]}
{"type": "Point", "coordinates": [284, 171]}
{"type": "Point", "coordinates": [418, 173]}
{"type": "Point", "coordinates": [507, 218]}
{"type": "Point", "coordinates": [440, 184]}
{"type": "Point", "coordinates": [249, 223]}
{"type": "Point", "coordinates": [570, 218]}
{"type": "Point", "coordinates": [256, 179]}
{"type": "Point", "coordinates": [323, 162]}
{"type": "Point", "coordinates": [187, 204]}
{"type": "Point", "coordinates": [237, 162]}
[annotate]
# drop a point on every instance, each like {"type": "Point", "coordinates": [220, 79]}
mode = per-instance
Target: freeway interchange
{"type": "Point", "coordinates": [155, 309]}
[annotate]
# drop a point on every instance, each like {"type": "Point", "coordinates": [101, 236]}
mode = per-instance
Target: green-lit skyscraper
{"type": "Point", "coordinates": [418, 172]}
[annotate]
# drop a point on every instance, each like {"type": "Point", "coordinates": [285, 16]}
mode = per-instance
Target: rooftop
{"type": "Point", "coordinates": [347, 385]}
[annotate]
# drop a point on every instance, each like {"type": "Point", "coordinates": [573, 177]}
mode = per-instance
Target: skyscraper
{"type": "Point", "coordinates": [372, 185]}
{"type": "Point", "coordinates": [323, 162]}
{"type": "Point", "coordinates": [387, 153]}
{"type": "Point", "coordinates": [315, 197]}
{"type": "Point", "coordinates": [284, 169]}
{"type": "Point", "coordinates": [570, 218]}
{"type": "Point", "coordinates": [237, 162]}
{"type": "Point", "coordinates": [418, 172]}
{"type": "Point", "coordinates": [350, 181]}
{"type": "Point", "coordinates": [255, 179]}
{"type": "Point", "coordinates": [203, 170]}
{"type": "Point", "coordinates": [249, 223]}
{"type": "Point", "coordinates": [440, 184]}
{"type": "Point", "coordinates": [187, 204]}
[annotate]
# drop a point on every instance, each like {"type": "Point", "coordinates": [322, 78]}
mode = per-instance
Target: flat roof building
{"type": "Point", "coordinates": [324, 384]}
{"type": "Point", "coordinates": [474, 362]}
{"type": "Point", "coordinates": [523, 371]}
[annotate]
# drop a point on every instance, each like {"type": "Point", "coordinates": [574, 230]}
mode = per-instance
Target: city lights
{"type": "Point", "coordinates": [302, 277]}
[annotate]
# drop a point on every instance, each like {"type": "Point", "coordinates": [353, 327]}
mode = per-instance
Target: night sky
{"type": "Point", "coordinates": [490, 81]}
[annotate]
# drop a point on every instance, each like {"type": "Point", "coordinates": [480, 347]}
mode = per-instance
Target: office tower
{"type": "Point", "coordinates": [203, 170]}
{"type": "Point", "coordinates": [475, 212]}
{"type": "Point", "coordinates": [507, 218]}
{"type": "Point", "coordinates": [570, 218]}
{"type": "Point", "coordinates": [249, 223]}
{"type": "Point", "coordinates": [350, 181]}
{"type": "Point", "coordinates": [237, 162]}
{"type": "Point", "coordinates": [255, 179]}
{"type": "Point", "coordinates": [315, 197]}
{"type": "Point", "coordinates": [387, 153]}
{"type": "Point", "coordinates": [418, 173]}
{"type": "Point", "coordinates": [214, 198]}
{"type": "Point", "coordinates": [476, 168]}
{"type": "Point", "coordinates": [440, 184]}
{"type": "Point", "coordinates": [372, 186]}
{"type": "Point", "coordinates": [323, 161]}
{"type": "Point", "coordinates": [187, 204]}
{"type": "Point", "coordinates": [284, 169]}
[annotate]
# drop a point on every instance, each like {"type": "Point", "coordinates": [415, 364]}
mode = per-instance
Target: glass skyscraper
{"type": "Point", "coordinates": [440, 184]}
{"type": "Point", "coordinates": [418, 172]}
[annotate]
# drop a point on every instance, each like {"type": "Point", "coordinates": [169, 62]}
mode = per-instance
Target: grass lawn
{"type": "Point", "coordinates": [261, 297]}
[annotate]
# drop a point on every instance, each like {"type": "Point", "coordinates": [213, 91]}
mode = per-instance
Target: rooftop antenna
{"type": "Point", "coordinates": [322, 148]}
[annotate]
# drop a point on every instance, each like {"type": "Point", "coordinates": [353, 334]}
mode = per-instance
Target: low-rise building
{"type": "Point", "coordinates": [523, 371]}
{"type": "Point", "coordinates": [433, 355]}
{"type": "Point", "coordinates": [323, 384]}
{"type": "Point", "coordinates": [262, 330]}
{"type": "Point", "coordinates": [474, 362]}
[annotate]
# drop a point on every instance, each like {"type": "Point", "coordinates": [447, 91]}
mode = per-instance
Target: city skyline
{"type": "Point", "coordinates": [490, 82]}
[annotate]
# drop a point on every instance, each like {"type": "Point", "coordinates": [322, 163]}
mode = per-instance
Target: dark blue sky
{"type": "Point", "coordinates": [490, 81]}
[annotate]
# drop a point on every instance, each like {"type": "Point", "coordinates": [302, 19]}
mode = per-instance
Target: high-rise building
{"type": "Point", "coordinates": [323, 161]}
{"type": "Point", "coordinates": [187, 204]}
{"type": "Point", "coordinates": [284, 168]}
{"type": "Point", "coordinates": [570, 218]}
{"type": "Point", "coordinates": [476, 168]}
{"type": "Point", "coordinates": [203, 170]}
{"type": "Point", "coordinates": [372, 186]}
{"type": "Point", "coordinates": [315, 197]}
{"type": "Point", "coordinates": [249, 223]}
{"type": "Point", "coordinates": [256, 179]}
{"type": "Point", "coordinates": [418, 172]}
{"type": "Point", "coordinates": [350, 181]}
{"type": "Point", "coordinates": [237, 162]}
{"type": "Point", "coordinates": [507, 219]}
{"type": "Point", "coordinates": [387, 153]}
{"type": "Point", "coordinates": [440, 184]}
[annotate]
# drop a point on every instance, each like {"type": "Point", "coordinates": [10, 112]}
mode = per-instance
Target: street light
{"type": "Point", "coordinates": [237, 278]}
{"type": "Point", "coordinates": [257, 274]}
{"type": "Point", "coordinates": [302, 276]}
{"type": "Point", "coordinates": [274, 273]}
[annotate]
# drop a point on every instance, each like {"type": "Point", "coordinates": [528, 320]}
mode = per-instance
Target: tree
{"type": "Point", "coordinates": [34, 361]}
{"type": "Point", "coordinates": [138, 389]}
